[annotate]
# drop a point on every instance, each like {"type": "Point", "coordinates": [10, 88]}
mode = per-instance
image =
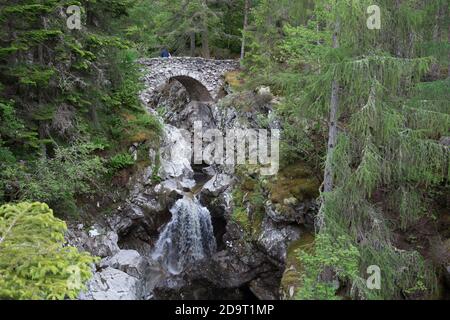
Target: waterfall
{"type": "Point", "coordinates": [187, 238]}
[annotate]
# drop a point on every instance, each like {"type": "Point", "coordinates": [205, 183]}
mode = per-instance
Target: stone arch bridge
{"type": "Point", "coordinates": [202, 78]}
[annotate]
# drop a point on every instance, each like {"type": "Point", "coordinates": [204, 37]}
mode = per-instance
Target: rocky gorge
{"type": "Point", "coordinates": [201, 231]}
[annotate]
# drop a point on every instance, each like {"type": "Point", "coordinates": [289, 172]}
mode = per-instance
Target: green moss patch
{"type": "Point", "coordinates": [291, 281]}
{"type": "Point", "coordinates": [235, 79]}
{"type": "Point", "coordinates": [240, 216]}
{"type": "Point", "coordinates": [249, 194]}
{"type": "Point", "coordinates": [294, 181]}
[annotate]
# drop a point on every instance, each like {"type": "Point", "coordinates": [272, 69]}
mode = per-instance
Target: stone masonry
{"type": "Point", "coordinates": [202, 78]}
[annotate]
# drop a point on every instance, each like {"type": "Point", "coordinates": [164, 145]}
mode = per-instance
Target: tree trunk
{"type": "Point", "coordinates": [246, 10]}
{"type": "Point", "coordinates": [94, 115]}
{"type": "Point", "coordinates": [192, 37]}
{"type": "Point", "coordinates": [42, 127]}
{"type": "Point", "coordinates": [42, 136]}
{"type": "Point", "coordinates": [397, 40]}
{"type": "Point", "coordinates": [205, 34]}
{"type": "Point", "coordinates": [205, 43]}
{"type": "Point", "coordinates": [448, 71]}
{"type": "Point", "coordinates": [332, 131]}
{"type": "Point", "coordinates": [436, 39]}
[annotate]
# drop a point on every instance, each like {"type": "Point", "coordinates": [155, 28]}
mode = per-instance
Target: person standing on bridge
{"type": "Point", "coordinates": [165, 53]}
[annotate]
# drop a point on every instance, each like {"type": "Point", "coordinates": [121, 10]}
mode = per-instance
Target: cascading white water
{"type": "Point", "coordinates": [187, 238]}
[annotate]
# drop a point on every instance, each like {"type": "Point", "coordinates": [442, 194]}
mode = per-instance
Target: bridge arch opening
{"type": "Point", "coordinates": [196, 90]}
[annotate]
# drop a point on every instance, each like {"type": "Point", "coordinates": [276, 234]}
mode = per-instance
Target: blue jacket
{"type": "Point", "coordinates": [165, 53]}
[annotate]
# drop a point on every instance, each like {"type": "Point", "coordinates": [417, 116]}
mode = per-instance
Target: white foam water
{"type": "Point", "coordinates": [187, 238]}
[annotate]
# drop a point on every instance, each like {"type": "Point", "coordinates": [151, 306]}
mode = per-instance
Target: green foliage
{"type": "Point", "coordinates": [144, 123]}
{"type": "Point", "coordinates": [174, 24]}
{"type": "Point", "coordinates": [11, 127]}
{"type": "Point", "coordinates": [337, 256]}
{"type": "Point", "coordinates": [33, 75]}
{"type": "Point", "coordinates": [61, 90]}
{"type": "Point", "coordinates": [34, 261]}
{"type": "Point", "coordinates": [240, 216]}
{"type": "Point", "coordinates": [46, 179]}
{"type": "Point", "coordinates": [416, 279]}
{"type": "Point", "coordinates": [249, 204]}
{"type": "Point", "coordinates": [121, 161]}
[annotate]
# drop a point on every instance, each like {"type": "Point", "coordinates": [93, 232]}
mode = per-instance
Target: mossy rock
{"type": "Point", "coordinates": [240, 216]}
{"type": "Point", "coordinates": [248, 184]}
{"type": "Point", "coordinates": [249, 204]}
{"type": "Point", "coordinates": [291, 280]}
{"type": "Point", "coordinates": [304, 189]}
{"type": "Point", "coordinates": [256, 224]}
{"type": "Point", "coordinates": [296, 180]}
{"type": "Point", "coordinates": [244, 102]}
{"type": "Point", "coordinates": [251, 224]}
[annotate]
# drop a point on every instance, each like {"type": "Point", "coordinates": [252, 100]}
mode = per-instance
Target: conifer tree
{"type": "Point", "coordinates": [384, 155]}
{"type": "Point", "coordinates": [34, 262]}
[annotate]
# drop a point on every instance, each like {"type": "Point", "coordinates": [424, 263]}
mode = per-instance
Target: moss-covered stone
{"type": "Point", "coordinates": [291, 280]}
{"type": "Point", "coordinates": [249, 205]}
{"type": "Point", "coordinates": [294, 181]}
{"type": "Point", "coordinates": [243, 102]}
{"type": "Point", "coordinates": [250, 223]}
{"type": "Point", "coordinates": [239, 214]}
{"type": "Point", "coordinates": [257, 220]}
{"type": "Point", "coordinates": [248, 184]}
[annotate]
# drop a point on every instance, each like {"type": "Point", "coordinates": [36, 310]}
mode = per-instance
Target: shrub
{"type": "Point", "coordinates": [121, 161]}
{"type": "Point", "coordinates": [57, 181]}
{"type": "Point", "coordinates": [339, 255]}
{"type": "Point", "coordinates": [34, 263]}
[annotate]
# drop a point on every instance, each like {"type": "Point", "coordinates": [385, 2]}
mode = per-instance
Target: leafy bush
{"type": "Point", "coordinates": [147, 121]}
{"type": "Point", "coordinates": [121, 161]}
{"type": "Point", "coordinates": [34, 263]}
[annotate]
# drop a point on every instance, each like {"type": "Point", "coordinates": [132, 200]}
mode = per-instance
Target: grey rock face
{"type": "Point", "coordinates": [113, 284]}
{"type": "Point", "coordinates": [97, 241]}
{"type": "Point", "coordinates": [128, 261]}
{"type": "Point", "coordinates": [121, 275]}
{"type": "Point", "coordinates": [217, 194]}
{"type": "Point", "coordinates": [264, 288]}
{"type": "Point", "coordinates": [275, 238]}
{"type": "Point", "coordinates": [298, 212]}
{"type": "Point", "coordinates": [447, 275]}
{"type": "Point", "coordinates": [175, 154]}
{"type": "Point", "coordinates": [445, 141]}
{"type": "Point", "coordinates": [217, 184]}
